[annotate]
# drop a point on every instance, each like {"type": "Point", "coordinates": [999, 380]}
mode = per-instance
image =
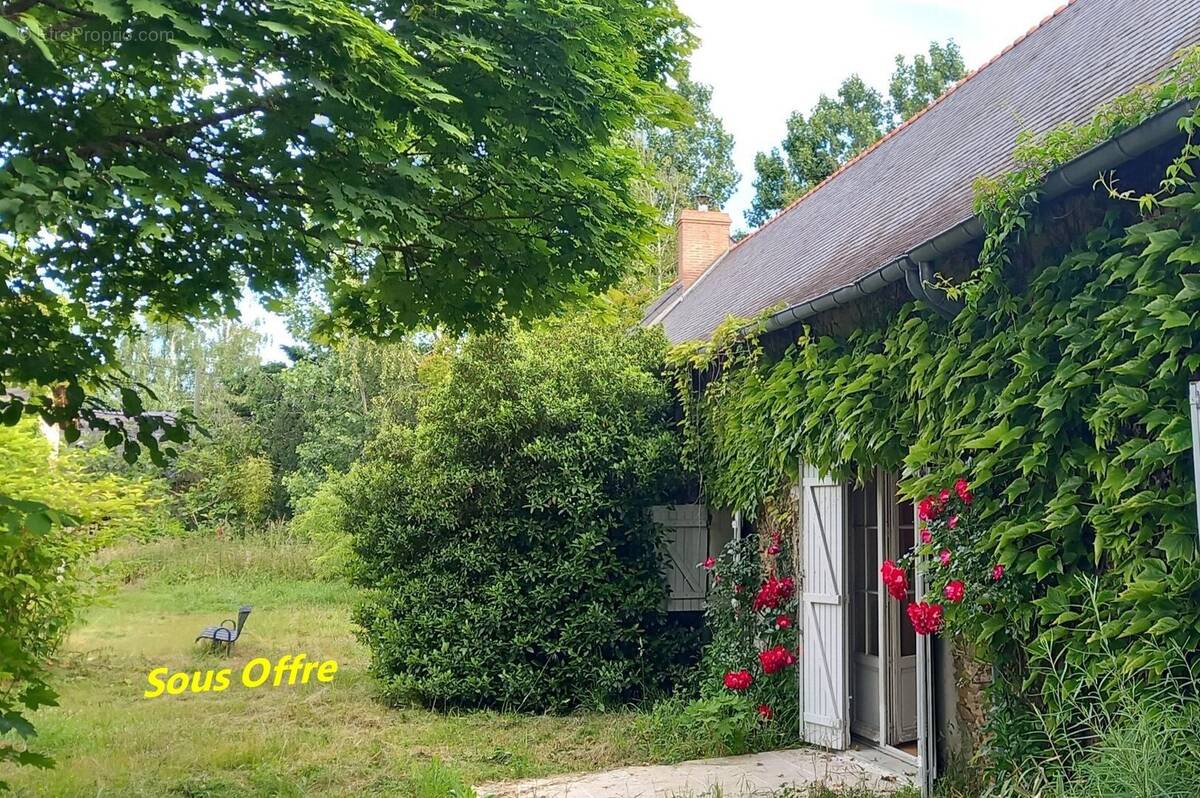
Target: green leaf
{"type": "Point", "coordinates": [10, 30]}
{"type": "Point", "coordinates": [280, 27]}
{"type": "Point", "coordinates": [128, 172]}
{"type": "Point", "coordinates": [38, 522]}
{"type": "Point", "coordinates": [131, 403]}
{"type": "Point", "coordinates": [150, 7]}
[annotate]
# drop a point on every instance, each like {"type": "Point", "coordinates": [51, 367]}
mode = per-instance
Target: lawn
{"type": "Point", "coordinates": [317, 739]}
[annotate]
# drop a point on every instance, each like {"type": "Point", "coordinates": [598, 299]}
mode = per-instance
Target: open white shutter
{"type": "Point", "coordinates": [823, 656]}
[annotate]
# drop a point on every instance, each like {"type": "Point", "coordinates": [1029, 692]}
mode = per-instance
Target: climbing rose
{"type": "Point", "coordinates": [926, 618]}
{"type": "Point", "coordinates": [776, 659]}
{"type": "Point", "coordinates": [963, 490]}
{"type": "Point", "coordinates": [926, 535]}
{"type": "Point", "coordinates": [773, 549]}
{"type": "Point", "coordinates": [944, 556]}
{"type": "Point", "coordinates": [709, 563]}
{"type": "Point", "coordinates": [783, 622]}
{"type": "Point", "coordinates": [894, 580]}
{"type": "Point", "coordinates": [943, 497]}
{"type": "Point", "coordinates": [773, 593]}
{"type": "Point", "coordinates": [997, 572]}
{"type": "Point", "coordinates": [765, 712]}
{"type": "Point", "coordinates": [953, 522]}
{"type": "Point", "coordinates": [738, 680]}
{"type": "Point", "coordinates": [954, 591]}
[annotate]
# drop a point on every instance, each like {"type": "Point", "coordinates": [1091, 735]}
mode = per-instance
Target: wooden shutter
{"type": "Point", "coordinates": [686, 536]}
{"type": "Point", "coordinates": [823, 600]}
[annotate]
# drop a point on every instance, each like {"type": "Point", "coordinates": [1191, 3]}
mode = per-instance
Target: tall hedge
{"type": "Point", "coordinates": [505, 541]}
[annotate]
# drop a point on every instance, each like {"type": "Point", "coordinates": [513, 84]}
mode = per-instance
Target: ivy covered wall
{"type": "Point", "coordinates": [1060, 391]}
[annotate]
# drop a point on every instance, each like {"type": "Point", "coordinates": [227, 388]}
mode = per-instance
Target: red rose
{"type": "Point", "coordinates": [943, 497]}
{"type": "Point", "coordinates": [783, 622]}
{"type": "Point", "coordinates": [776, 659]}
{"type": "Point", "coordinates": [944, 556]}
{"type": "Point", "coordinates": [738, 680]}
{"type": "Point", "coordinates": [954, 591]}
{"type": "Point", "coordinates": [926, 618]}
{"type": "Point", "coordinates": [765, 712]}
{"type": "Point", "coordinates": [926, 535]}
{"type": "Point", "coordinates": [773, 593]}
{"type": "Point", "coordinates": [773, 549]}
{"type": "Point", "coordinates": [927, 508]}
{"type": "Point", "coordinates": [997, 572]}
{"type": "Point", "coordinates": [709, 563]}
{"type": "Point", "coordinates": [963, 490]}
{"type": "Point", "coordinates": [953, 522]}
{"type": "Point", "coordinates": [894, 580]}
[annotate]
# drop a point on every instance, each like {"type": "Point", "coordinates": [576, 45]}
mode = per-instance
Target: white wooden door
{"type": "Point", "coordinates": [926, 724]}
{"type": "Point", "coordinates": [823, 612]}
{"type": "Point", "coordinates": [901, 639]}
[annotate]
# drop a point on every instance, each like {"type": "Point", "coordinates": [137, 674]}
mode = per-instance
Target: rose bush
{"type": "Point", "coordinates": [754, 643]}
{"type": "Point", "coordinates": [957, 564]}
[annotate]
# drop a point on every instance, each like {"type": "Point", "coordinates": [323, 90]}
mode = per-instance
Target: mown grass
{"type": "Point", "coordinates": [318, 739]}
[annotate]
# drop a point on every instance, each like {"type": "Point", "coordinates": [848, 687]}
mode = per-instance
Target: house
{"type": "Point", "coordinates": [871, 238]}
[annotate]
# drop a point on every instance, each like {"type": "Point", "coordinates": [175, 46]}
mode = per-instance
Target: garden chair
{"type": "Point", "coordinates": [226, 634]}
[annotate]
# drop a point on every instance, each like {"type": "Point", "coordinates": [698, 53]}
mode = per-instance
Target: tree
{"type": "Point", "coordinates": [505, 541]}
{"type": "Point", "coordinates": [433, 163]}
{"type": "Point", "coordinates": [838, 128]}
{"type": "Point", "coordinates": [693, 159]}
{"type": "Point", "coordinates": [686, 161]}
{"type": "Point", "coordinates": [914, 86]}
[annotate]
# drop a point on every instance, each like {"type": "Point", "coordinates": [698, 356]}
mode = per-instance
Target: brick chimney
{"type": "Point", "coordinates": [701, 236]}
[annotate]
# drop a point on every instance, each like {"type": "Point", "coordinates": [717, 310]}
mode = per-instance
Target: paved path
{"type": "Point", "coordinates": [730, 777]}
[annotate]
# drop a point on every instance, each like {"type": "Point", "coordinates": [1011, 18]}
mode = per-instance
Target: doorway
{"type": "Point", "coordinates": [883, 648]}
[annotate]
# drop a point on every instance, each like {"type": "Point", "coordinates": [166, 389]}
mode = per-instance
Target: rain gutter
{"type": "Point", "coordinates": [915, 266]}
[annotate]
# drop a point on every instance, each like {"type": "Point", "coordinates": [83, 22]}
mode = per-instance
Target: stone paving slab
{"type": "Point", "coordinates": [753, 774]}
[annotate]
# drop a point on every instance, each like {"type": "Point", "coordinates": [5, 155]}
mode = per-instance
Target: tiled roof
{"type": "Point", "coordinates": [664, 300]}
{"type": "Point", "coordinates": [916, 182]}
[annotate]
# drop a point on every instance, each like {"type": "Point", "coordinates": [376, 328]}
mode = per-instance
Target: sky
{"type": "Point", "coordinates": [767, 58]}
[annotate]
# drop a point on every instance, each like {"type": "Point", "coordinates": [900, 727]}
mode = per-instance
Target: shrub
{"type": "Point", "coordinates": [253, 486]}
{"type": "Point", "coordinates": [721, 725]}
{"type": "Point", "coordinates": [322, 520]}
{"type": "Point", "coordinates": [506, 539]}
{"type": "Point", "coordinates": [44, 559]}
{"type": "Point", "coordinates": [751, 613]}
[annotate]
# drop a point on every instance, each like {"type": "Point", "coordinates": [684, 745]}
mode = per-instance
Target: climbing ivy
{"type": "Point", "coordinates": [1062, 396]}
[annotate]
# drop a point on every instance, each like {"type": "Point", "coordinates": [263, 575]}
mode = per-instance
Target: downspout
{"type": "Point", "coordinates": [921, 281]}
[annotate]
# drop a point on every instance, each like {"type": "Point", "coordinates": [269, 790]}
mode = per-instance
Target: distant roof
{"type": "Point", "coordinates": [917, 181]}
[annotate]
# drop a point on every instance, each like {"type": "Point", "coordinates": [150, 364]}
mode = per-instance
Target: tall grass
{"type": "Point", "coordinates": [1093, 729]}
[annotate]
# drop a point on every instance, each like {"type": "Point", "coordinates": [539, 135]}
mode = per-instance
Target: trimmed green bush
{"type": "Point", "coordinates": [506, 541]}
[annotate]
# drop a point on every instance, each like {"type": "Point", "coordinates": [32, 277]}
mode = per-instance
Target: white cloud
{"type": "Point", "coordinates": [766, 58]}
